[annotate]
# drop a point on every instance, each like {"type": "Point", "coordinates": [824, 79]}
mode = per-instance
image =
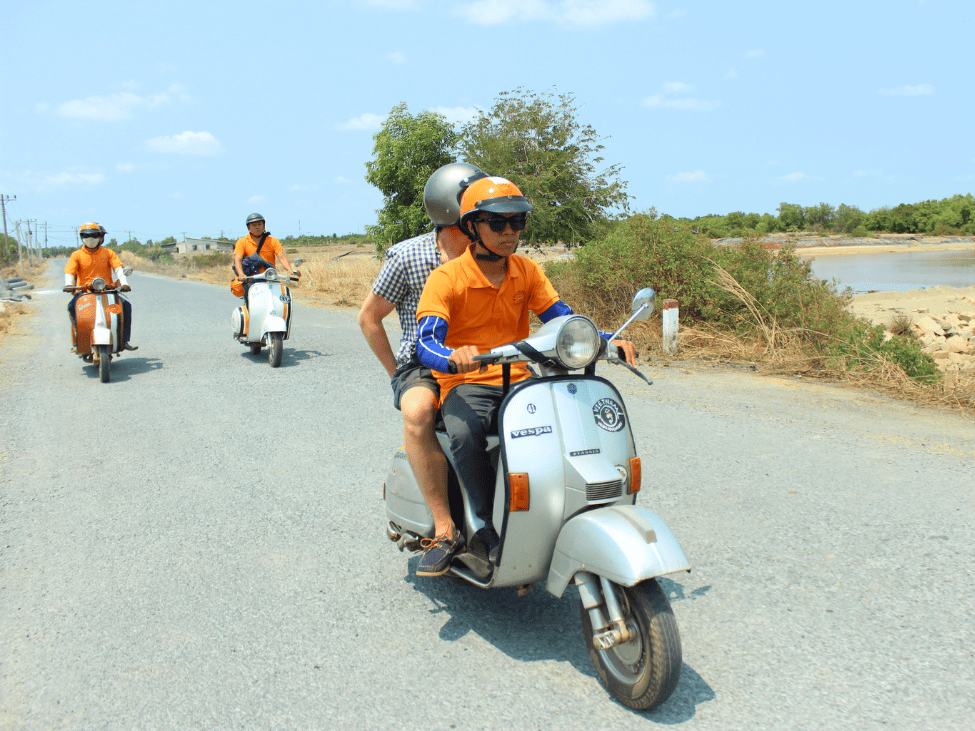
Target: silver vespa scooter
{"type": "Point", "coordinates": [567, 480]}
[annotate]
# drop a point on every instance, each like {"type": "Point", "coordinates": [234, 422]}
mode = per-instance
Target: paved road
{"type": "Point", "coordinates": [200, 544]}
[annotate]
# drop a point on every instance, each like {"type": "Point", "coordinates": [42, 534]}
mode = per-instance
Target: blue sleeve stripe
{"type": "Point", "coordinates": [430, 348]}
{"type": "Point", "coordinates": [558, 310]}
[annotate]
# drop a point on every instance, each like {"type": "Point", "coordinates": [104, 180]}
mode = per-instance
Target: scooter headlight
{"type": "Point", "coordinates": [577, 344]}
{"type": "Point", "coordinates": [97, 284]}
{"type": "Point", "coordinates": [270, 275]}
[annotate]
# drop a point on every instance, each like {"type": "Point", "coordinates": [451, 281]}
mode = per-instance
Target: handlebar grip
{"type": "Point", "coordinates": [451, 367]}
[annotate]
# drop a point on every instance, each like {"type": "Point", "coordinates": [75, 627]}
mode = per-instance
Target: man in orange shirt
{"type": "Point", "coordinates": [269, 247]}
{"type": "Point", "coordinates": [91, 261]}
{"type": "Point", "coordinates": [470, 305]}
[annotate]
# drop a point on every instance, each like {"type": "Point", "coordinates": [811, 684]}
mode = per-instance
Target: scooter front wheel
{"type": "Point", "coordinates": [275, 349]}
{"type": "Point", "coordinates": [642, 672]}
{"type": "Point", "coordinates": [104, 363]}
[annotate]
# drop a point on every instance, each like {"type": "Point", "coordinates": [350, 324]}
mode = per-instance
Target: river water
{"type": "Point", "coordinates": [898, 272]}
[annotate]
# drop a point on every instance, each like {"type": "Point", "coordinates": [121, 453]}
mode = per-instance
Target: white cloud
{"type": "Point", "coordinates": [393, 4]}
{"type": "Point", "coordinates": [676, 13]}
{"type": "Point", "coordinates": [397, 57]}
{"type": "Point", "coordinates": [177, 194]}
{"type": "Point", "coordinates": [255, 199]}
{"type": "Point", "coordinates": [792, 177]}
{"type": "Point", "coordinates": [698, 176]}
{"type": "Point", "coordinates": [125, 167]}
{"type": "Point", "coordinates": [755, 53]}
{"type": "Point", "coordinates": [684, 105]}
{"type": "Point", "coordinates": [731, 75]}
{"type": "Point", "coordinates": [603, 12]}
{"type": "Point", "coordinates": [186, 143]}
{"type": "Point", "coordinates": [60, 180]}
{"type": "Point", "coordinates": [130, 85]}
{"type": "Point", "coordinates": [907, 90]}
{"type": "Point", "coordinates": [364, 121]}
{"type": "Point", "coordinates": [457, 115]}
{"type": "Point", "coordinates": [567, 12]}
{"type": "Point", "coordinates": [297, 187]}
{"type": "Point", "coordinates": [340, 179]}
{"type": "Point", "coordinates": [676, 87]}
{"type": "Point", "coordinates": [112, 108]}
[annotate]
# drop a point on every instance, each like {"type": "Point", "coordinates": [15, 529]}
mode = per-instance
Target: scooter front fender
{"type": "Point", "coordinates": [625, 543]}
{"type": "Point", "coordinates": [275, 324]}
{"type": "Point", "coordinates": [101, 336]}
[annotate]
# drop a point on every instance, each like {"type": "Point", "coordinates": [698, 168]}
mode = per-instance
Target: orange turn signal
{"type": "Point", "coordinates": [518, 482]}
{"type": "Point", "coordinates": [636, 474]}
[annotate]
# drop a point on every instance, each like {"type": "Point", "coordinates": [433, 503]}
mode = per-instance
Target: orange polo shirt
{"type": "Point", "coordinates": [86, 264]}
{"type": "Point", "coordinates": [246, 245]}
{"type": "Point", "coordinates": [479, 314]}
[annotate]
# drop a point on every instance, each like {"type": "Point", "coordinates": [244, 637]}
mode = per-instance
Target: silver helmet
{"type": "Point", "coordinates": [441, 194]}
{"type": "Point", "coordinates": [254, 217]}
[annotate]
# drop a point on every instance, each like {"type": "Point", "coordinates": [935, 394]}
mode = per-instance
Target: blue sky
{"type": "Point", "coordinates": [175, 117]}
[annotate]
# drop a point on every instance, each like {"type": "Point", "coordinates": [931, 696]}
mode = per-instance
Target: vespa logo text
{"type": "Point", "coordinates": [532, 432]}
{"type": "Point", "coordinates": [608, 415]}
{"type": "Point", "coordinates": [583, 452]}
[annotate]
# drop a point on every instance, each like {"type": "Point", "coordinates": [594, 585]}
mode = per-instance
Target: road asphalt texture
{"type": "Point", "coordinates": [200, 544]}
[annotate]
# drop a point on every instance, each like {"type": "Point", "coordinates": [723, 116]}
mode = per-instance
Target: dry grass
{"type": "Point", "coordinates": [778, 351]}
{"type": "Point", "coordinates": [325, 279]}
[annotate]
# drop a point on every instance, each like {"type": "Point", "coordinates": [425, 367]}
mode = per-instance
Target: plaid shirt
{"type": "Point", "coordinates": [401, 280]}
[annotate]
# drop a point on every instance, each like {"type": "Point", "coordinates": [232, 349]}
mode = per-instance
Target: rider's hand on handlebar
{"type": "Point", "coordinates": [463, 359]}
{"type": "Point", "coordinates": [125, 288]}
{"type": "Point", "coordinates": [626, 351]}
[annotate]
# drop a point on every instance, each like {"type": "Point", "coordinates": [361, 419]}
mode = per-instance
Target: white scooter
{"type": "Point", "coordinates": [567, 480]}
{"type": "Point", "coordinates": [96, 333]}
{"type": "Point", "coordinates": [265, 317]}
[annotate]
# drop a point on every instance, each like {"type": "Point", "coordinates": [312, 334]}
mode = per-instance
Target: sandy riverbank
{"type": "Point", "coordinates": [882, 307]}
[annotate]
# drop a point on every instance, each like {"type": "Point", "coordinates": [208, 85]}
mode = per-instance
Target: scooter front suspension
{"type": "Point", "coordinates": [595, 595]}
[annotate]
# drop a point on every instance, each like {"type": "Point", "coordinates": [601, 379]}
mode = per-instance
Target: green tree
{"type": "Point", "coordinates": [535, 140]}
{"type": "Point", "coordinates": [791, 217]}
{"type": "Point", "coordinates": [406, 152]}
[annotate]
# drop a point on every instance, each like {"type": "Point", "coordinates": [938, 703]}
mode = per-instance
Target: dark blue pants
{"type": "Point", "coordinates": [126, 315]}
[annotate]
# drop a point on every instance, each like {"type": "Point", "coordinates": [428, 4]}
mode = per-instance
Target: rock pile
{"type": "Point", "coordinates": [949, 339]}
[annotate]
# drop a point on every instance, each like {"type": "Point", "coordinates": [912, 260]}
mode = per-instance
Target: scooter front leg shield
{"type": "Point", "coordinates": [625, 543]}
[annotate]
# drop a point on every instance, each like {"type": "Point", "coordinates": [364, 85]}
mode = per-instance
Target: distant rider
{"type": "Point", "coordinates": [92, 261]}
{"type": "Point", "coordinates": [248, 245]}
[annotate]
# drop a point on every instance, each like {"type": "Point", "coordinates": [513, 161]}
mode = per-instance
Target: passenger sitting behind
{"type": "Point", "coordinates": [475, 303]}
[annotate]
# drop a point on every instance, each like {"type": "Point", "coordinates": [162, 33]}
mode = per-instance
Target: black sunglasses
{"type": "Point", "coordinates": [498, 223]}
{"type": "Point", "coordinates": [90, 235]}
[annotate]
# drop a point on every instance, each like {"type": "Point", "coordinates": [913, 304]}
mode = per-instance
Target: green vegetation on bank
{"type": "Point", "coordinates": [769, 299]}
{"type": "Point", "coordinates": [953, 216]}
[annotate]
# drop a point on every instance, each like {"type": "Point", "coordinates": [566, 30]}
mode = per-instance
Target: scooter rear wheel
{"type": "Point", "coordinates": [104, 363]}
{"type": "Point", "coordinates": [275, 349]}
{"type": "Point", "coordinates": [642, 672]}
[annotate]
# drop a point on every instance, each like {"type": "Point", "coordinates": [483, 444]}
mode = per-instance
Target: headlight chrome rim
{"type": "Point", "coordinates": [577, 343]}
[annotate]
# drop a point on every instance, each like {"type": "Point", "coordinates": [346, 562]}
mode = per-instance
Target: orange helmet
{"type": "Point", "coordinates": [493, 195]}
{"type": "Point", "coordinates": [92, 234]}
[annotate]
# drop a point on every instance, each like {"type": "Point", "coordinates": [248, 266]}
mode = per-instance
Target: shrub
{"type": "Point", "coordinates": [860, 233]}
{"type": "Point", "coordinates": [205, 261]}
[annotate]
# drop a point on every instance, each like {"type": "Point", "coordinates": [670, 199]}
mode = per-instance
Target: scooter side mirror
{"type": "Point", "coordinates": [298, 263]}
{"type": "Point", "coordinates": [643, 302]}
{"type": "Point", "coordinates": [127, 271]}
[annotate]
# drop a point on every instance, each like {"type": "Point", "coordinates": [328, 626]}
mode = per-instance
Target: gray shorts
{"type": "Point", "coordinates": [411, 375]}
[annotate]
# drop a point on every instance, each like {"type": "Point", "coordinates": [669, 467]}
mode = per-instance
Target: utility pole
{"type": "Point", "coordinates": [3, 206]}
{"type": "Point", "coordinates": [31, 243]}
{"type": "Point", "coordinates": [20, 254]}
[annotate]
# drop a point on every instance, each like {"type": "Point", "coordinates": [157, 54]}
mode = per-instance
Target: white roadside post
{"type": "Point", "coordinates": [669, 315]}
